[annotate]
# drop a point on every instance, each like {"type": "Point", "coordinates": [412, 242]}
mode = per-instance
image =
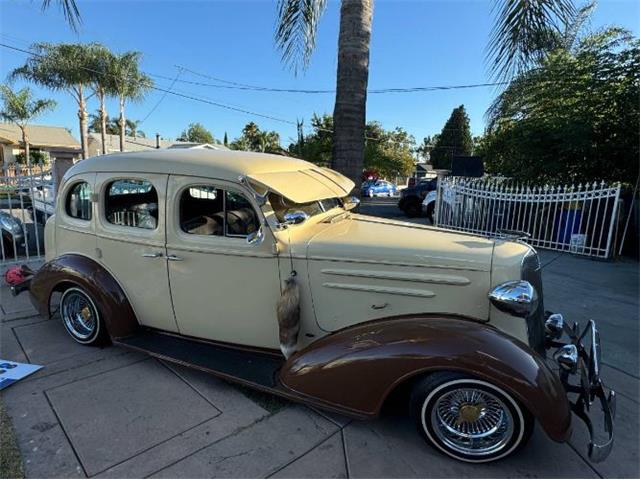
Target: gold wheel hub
{"type": "Point", "coordinates": [469, 413]}
{"type": "Point", "coordinates": [86, 313]}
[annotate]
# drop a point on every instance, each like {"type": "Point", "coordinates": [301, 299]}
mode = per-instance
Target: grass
{"type": "Point", "coordinates": [10, 460]}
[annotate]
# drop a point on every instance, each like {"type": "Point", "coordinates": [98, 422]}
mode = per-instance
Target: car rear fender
{"type": "Point", "coordinates": [88, 274]}
{"type": "Point", "coordinates": [358, 367]}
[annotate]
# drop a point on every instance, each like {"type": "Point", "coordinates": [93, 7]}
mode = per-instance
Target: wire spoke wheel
{"type": "Point", "coordinates": [80, 315]}
{"type": "Point", "coordinates": [469, 419]}
{"type": "Point", "coordinates": [472, 421]}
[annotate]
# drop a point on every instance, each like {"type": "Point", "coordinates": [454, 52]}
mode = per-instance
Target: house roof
{"type": "Point", "coordinates": [140, 144]}
{"type": "Point", "coordinates": [295, 179]}
{"type": "Point", "coordinates": [39, 136]}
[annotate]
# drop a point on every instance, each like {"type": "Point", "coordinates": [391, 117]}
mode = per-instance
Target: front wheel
{"type": "Point", "coordinates": [469, 419]}
{"type": "Point", "coordinates": [81, 317]}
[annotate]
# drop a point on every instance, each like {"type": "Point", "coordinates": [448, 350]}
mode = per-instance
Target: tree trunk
{"type": "Point", "coordinates": [27, 152]}
{"type": "Point", "coordinates": [103, 121]}
{"type": "Point", "coordinates": [82, 117]}
{"type": "Point", "coordinates": [349, 114]}
{"type": "Point", "coordinates": [122, 124]}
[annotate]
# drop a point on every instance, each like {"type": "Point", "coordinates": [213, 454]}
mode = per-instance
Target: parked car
{"type": "Point", "coordinates": [253, 267]}
{"type": "Point", "coordinates": [379, 188]}
{"type": "Point", "coordinates": [411, 197]}
{"type": "Point", "coordinates": [12, 233]}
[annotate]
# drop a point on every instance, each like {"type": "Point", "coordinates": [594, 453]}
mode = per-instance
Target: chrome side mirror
{"type": "Point", "coordinates": [517, 298]}
{"type": "Point", "coordinates": [295, 218]}
{"type": "Point", "coordinates": [351, 202]}
{"type": "Point", "coordinates": [255, 238]}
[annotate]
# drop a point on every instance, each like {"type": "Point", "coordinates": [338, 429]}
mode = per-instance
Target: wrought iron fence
{"type": "Point", "coordinates": [26, 202]}
{"type": "Point", "coordinates": [579, 219]}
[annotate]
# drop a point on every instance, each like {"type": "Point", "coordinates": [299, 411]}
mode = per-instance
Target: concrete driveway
{"type": "Point", "coordinates": [113, 413]}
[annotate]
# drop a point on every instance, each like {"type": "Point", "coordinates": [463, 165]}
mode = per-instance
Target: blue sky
{"type": "Point", "coordinates": [414, 43]}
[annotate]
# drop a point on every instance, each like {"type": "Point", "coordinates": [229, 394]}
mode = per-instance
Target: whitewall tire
{"type": "Point", "coordinates": [469, 419]}
{"type": "Point", "coordinates": [81, 317]}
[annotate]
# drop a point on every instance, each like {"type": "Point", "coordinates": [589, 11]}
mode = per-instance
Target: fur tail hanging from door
{"type": "Point", "coordinates": [288, 310]}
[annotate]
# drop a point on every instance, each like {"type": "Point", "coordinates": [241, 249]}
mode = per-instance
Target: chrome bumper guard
{"type": "Point", "coordinates": [579, 370]}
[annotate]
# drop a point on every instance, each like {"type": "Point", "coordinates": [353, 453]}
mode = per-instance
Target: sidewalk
{"type": "Point", "coordinates": [114, 413]}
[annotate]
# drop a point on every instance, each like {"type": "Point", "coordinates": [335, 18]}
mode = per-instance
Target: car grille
{"type": "Point", "coordinates": [532, 273]}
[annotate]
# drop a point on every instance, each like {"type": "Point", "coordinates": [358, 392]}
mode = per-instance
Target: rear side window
{"type": "Point", "coordinates": [78, 201]}
{"type": "Point", "coordinates": [132, 203]}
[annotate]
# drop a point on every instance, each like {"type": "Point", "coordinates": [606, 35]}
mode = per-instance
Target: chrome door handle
{"type": "Point", "coordinates": [174, 258]}
{"type": "Point", "coordinates": [152, 255]}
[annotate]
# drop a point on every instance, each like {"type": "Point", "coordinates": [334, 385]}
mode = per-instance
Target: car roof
{"type": "Point", "coordinates": [296, 179]}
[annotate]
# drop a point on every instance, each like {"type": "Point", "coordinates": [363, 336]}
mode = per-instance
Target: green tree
{"type": "Point", "coordinates": [62, 67]}
{"type": "Point", "coordinates": [520, 28]}
{"type": "Point", "coordinates": [574, 118]}
{"type": "Point", "coordinates": [110, 124]}
{"type": "Point", "coordinates": [196, 133]}
{"type": "Point", "coordinates": [21, 108]}
{"type": "Point", "coordinates": [253, 139]}
{"type": "Point", "coordinates": [455, 139]}
{"type": "Point", "coordinates": [226, 140]}
{"type": "Point", "coordinates": [388, 152]}
{"type": "Point", "coordinates": [128, 84]}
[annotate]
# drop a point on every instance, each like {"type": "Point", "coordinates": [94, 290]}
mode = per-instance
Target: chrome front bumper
{"type": "Point", "coordinates": [578, 360]}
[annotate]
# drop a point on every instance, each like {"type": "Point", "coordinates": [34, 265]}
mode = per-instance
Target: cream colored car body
{"type": "Point", "coordinates": [351, 268]}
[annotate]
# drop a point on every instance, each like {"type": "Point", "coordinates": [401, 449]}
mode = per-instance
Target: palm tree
{"type": "Point", "coordinates": [129, 83]}
{"type": "Point", "coordinates": [63, 66]}
{"type": "Point", "coordinates": [103, 86]}
{"type": "Point", "coordinates": [20, 108]}
{"type": "Point", "coordinates": [520, 26]}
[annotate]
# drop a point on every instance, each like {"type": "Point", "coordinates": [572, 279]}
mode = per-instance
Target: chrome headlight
{"type": "Point", "coordinates": [10, 224]}
{"type": "Point", "coordinates": [517, 298]}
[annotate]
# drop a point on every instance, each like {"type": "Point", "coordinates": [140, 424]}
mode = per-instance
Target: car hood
{"type": "Point", "coordinates": [378, 240]}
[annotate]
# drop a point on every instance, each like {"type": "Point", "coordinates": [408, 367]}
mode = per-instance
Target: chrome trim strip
{"type": "Point", "coordinates": [410, 292]}
{"type": "Point", "coordinates": [386, 262]}
{"type": "Point", "coordinates": [401, 276]}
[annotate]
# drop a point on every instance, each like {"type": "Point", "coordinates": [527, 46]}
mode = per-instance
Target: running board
{"type": "Point", "coordinates": [244, 366]}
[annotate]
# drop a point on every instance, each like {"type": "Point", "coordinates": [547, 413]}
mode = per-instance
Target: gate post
{"type": "Point", "coordinates": [436, 211]}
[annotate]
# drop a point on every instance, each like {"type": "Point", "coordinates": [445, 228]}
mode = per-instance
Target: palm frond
{"type": "Point", "coordinates": [575, 27]}
{"type": "Point", "coordinates": [70, 11]}
{"type": "Point", "coordinates": [523, 32]}
{"type": "Point", "coordinates": [296, 29]}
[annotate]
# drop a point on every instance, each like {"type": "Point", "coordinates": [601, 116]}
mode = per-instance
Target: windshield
{"type": "Point", "coordinates": [281, 206]}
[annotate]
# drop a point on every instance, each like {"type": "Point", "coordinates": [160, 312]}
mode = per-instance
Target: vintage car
{"type": "Point", "coordinates": [255, 268]}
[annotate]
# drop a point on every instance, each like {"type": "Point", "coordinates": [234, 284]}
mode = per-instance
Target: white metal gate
{"type": "Point", "coordinates": [578, 219]}
{"type": "Point", "coordinates": [26, 202]}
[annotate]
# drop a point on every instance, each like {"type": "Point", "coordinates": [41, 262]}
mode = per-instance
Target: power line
{"type": "Point", "coordinates": [258, 88]}
{"type": "Point", "coordinates": [170, 92]}
{"type": "Point", "coordinates": [164, 95]}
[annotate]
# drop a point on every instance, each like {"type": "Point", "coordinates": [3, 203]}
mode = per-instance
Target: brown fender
{"type": "Point", "coordinates": [114, 307]}
{"type": "Point", "coordinates": [358, 367]}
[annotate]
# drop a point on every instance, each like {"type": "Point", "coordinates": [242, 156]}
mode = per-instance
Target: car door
{"type": "Point", "coordinates": [223, 287]}
{"type": "Point", "coordinates": [130, 234]}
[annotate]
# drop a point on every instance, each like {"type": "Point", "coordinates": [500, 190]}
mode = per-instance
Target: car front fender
{"type": "Point", "coordinates": [358, 367]}
{"type": "Point", "coordinates": [88, 274]}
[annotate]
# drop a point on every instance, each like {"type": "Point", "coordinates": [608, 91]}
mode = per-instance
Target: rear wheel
{"type": "Point", "coordinates": [81, 317]}
{"type": "Point", "coordinates": [469, 419]}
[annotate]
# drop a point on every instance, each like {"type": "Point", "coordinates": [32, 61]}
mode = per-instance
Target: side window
{"type": "Point", "coordinates": [206, 210]}
{"type": "Point", "coordinates": [132, 203]}
{"type": "Point", "coordinates": [78, 201]}
{"type": "Point", "coordinates": [202, 210]}
{"type": "Point", "coordinates": [241, 219]}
